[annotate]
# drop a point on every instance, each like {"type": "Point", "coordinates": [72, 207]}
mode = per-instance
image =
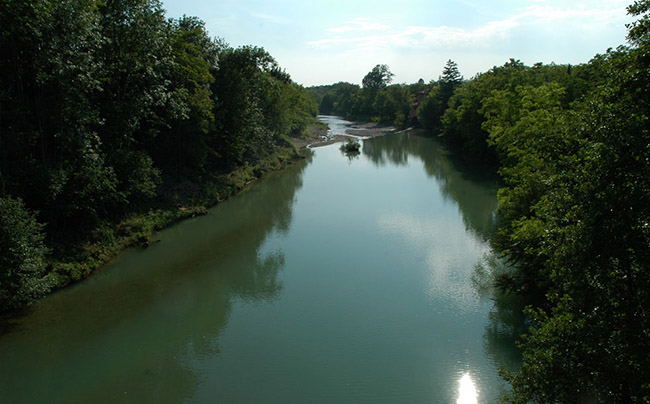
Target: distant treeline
{"type": "Point", "coordinates": [375, 101]}
{"type": "Point", "coordinates": [572, 144]}
{"type": "Point", "coordinates": [106, 106]}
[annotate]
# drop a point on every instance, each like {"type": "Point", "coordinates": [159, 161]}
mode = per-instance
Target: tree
{"type": "Point", "coordinates": [392, 105]}
{"type": "Point", "coordinates": [379, 77]}
{"type": "Point", "coordinates": [49, 115]}
{"type": "Point", "coordinates": [587, 234]}
{"type": "Point", "coordinates": [345, 95]}
{"type": "Point", "coordinates": [136, 99]}
{"type": "Point", "coordinates": [433, 108]}
{"type": "Point", "coordinates": [450, 80]}
{"type": "Point", "coordinates": [639, 30]}
{"type": "Point", "coordinates": [257, 107]}
{"type": "Point", "coordinates": [99, 98]}
{"type": "Point", "coordinates": [578, 203]}
{"type": "Point", "coordinates": [22, 256]}
{"type": "Point", "coordinates": [184, 145]}
{"type": "Point", "coordinates": [326, 105]}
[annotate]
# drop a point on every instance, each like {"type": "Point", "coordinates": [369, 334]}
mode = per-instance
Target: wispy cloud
{"type": "Point", "coordinates": [539, 12]}
{"type": "Point", "coordinates": [271, 18]}
{"type": "Point", "coordinates": [362, 33]}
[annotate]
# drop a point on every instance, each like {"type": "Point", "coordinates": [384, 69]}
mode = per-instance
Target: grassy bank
{"type": "Point", "coordinates": [73, 261]}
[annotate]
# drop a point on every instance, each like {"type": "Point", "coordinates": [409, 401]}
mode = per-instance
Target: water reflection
{"type": "Point", "coordinates": [507, 322]}
{"type": "Point", "coordinates": [133, 332]}
{"type": "Point", "coordinates": [446, 279]}
{"type": "Point", "coordinates": [350, 154]}
{"type": "Point", "coordinates": [350, 313]}
{"type": "Point", "coordinates": [476, 204]}
{"type": "Point", "coordinates": [467, 393]}
{"type": "Point", "coordinates": [394, 149]}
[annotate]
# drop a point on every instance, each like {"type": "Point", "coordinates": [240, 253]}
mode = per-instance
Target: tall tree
{"type": "Point", "coordinates": [437, 102]}
{"type": "Point", "coordinates": [450, 80]}
{"type": "Point", "coordinates": [136, 97]}
{"type": "Point", "coordinates": [379, 77]}
{"type": "Point", "coordinates": [184, 146]}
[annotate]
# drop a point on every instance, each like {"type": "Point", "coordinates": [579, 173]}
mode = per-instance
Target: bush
{"type": "Point", "coordinates": [22, 256]}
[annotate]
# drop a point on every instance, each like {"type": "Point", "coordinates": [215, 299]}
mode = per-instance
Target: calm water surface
{"type": "Point", "coordinates": [339, 280]}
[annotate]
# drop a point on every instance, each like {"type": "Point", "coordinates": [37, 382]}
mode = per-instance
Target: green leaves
{"type": "Point", "coordinates": [258, 105]}
{"type": "Point", "coordinates": [100, 101]}
{"type": "Point", "coordinates": [639, 30]}
{"type": "Point", "coordinates": [379, 77]}
{"type": "Point", "coordinates": [575, 210]}
{"type": "Point", "coordinates": [22, 256]}
{"type": "Point", "coordinates": [431, 111]}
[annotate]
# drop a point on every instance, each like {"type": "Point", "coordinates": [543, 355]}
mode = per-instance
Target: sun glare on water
{"type": "Point", "coordinates": [466, 390]}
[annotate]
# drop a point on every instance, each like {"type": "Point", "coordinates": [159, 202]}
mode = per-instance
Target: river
{"type": "Point", "coordinates": [342, 279]}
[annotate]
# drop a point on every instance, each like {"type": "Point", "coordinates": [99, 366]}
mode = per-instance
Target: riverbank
{"type": "Point", "coordinates": [73, 262]}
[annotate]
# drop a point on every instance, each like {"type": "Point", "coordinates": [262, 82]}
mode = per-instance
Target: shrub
{"type": "Point", "coordinates": [22, 256]}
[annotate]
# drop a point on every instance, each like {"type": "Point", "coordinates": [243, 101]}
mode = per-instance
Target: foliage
{"type": "Point", "coordinates": [258, 105]}
{"type": "Point", "coordinates": [377, 100]}
{"type": "Point", "coordinates": [590, 246]}
{"type": "Point", "coordinates": [350, 145]}
{"type": "Point", "coordinates": [379, 77]}
{"type": "Point", "coordinates": [431, 111]}
{"type": "Point", "coordinates": [575, 212]}
{"type": "Point", "coordinates": [462, 123]}
{"type": "Point", "coordinates": [392, 105]}
{"type": "Point", "coordinates": [639, 30]}
{"type": "Point", "coordinates": [105, 105]}
{"type": "Point", "coordinates": [22, 255]}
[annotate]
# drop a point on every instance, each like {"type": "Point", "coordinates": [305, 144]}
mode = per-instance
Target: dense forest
{"type": "Point", "coordinates": [114, 121]}
{"type": "Point", "coordinates": [572, 145]}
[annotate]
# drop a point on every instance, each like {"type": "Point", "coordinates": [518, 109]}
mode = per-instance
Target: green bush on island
{"type": "Point", "coordinates": [351, 146]}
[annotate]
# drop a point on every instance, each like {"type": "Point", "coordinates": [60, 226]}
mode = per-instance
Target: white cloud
{"type": "Point", "coordinates": [538, 13]}
{"type": "Point", "coordinates": [534, 18]}
{"type": "Point", "coordinates": [271, 18]}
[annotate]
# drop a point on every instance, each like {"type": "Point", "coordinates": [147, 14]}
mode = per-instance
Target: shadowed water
{"type": "Point", "coordinates": [335, 281]}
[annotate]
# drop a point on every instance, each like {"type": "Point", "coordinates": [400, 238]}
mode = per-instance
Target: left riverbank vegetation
{"type": "Point", "coordinates": [572, 146]}
{"type": "Point", "coordinates": [116, 121]}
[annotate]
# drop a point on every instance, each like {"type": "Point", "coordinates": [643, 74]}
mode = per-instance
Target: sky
{"type": "Point", "coordinates": [324, 42]}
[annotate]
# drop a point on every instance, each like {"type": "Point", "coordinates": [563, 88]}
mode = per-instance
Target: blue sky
{"type": "Point", "coordinates": [323, 42]}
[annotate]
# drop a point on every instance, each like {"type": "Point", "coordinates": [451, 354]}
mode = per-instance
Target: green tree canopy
{"type": "Point", "coordinates": [379, 77]}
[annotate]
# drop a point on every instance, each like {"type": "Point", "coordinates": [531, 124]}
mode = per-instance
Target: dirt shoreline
{"type": "Point", "coordinates": [361, 130]}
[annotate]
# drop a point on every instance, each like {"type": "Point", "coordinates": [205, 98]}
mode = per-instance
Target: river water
{"type": "Point", "coordinates": [342, 279]}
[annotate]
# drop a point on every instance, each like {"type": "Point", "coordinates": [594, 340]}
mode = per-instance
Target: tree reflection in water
{"type": "Point", "coordinates": [477, 205]}
{"type": "Point", "coordinates": [473, 190]}
{"type": "Point", "coordinates": [131, 333]}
